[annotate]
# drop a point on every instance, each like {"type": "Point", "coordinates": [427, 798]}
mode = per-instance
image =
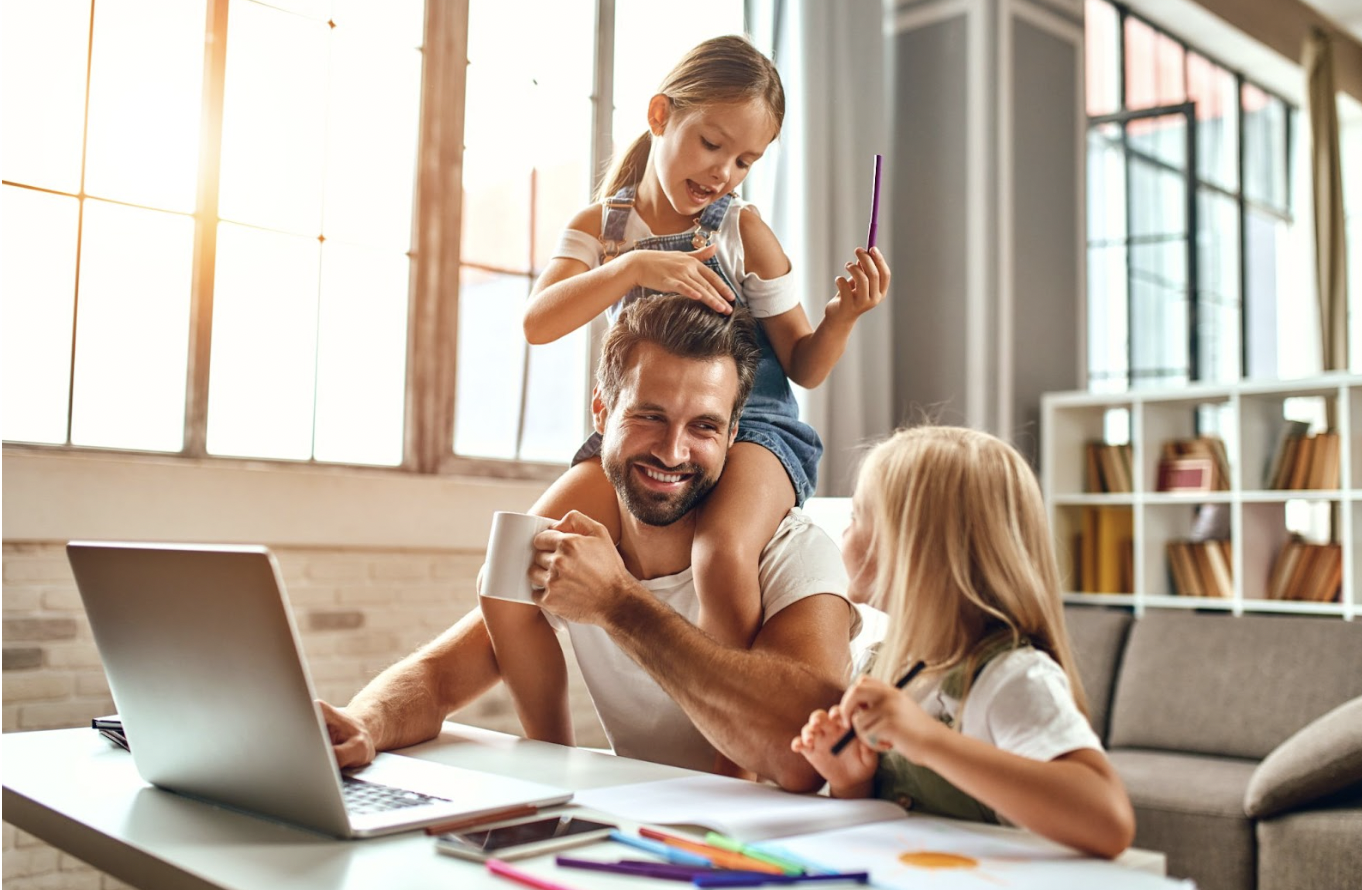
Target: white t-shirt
{"type": "Point", "coordinates": [764, 298]}
{"type": "Point", "coordinates": [640, 718]}
{"type": "Point", "coordinates": [1021, 703]}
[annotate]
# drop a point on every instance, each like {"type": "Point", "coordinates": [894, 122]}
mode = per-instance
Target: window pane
{"type": "Point", "coordinates": [1158, 276]}
{"type": "Point", "coordinates": [1102, 50]}
{"type": "Point", "coordinates": [533, 166]}
{"type": "Point", "coordinates": [1264, 148]}
{"type": "Point", "coordinates": [37, 292]}
{"type": "Point", "coordinates": [1216, 94]}
{"type": "Point", "coordinates": [1106, 185]}
{"type": "Point", "coordinates": [1267, 291]}
{"type": "Point", "coordinates": [491, 364]}
{"type": "Point", "coordinates": [1217, 286]}
{"type": "Point", "coordinates": [361, 355]}
{"type": "Point", "coordinates": [649, 41]}
{"type": "Point", "coordinates": [555, 407]}
{"type": "Point", "coordinates": [1108, 319]}
{"type": "Point", "coordinates": [1154, 67]}
{"type": "Point", "coordinates": [1162, 138]}
{"type": "Point", "coordinates": [43, 52]}
{"type": "Point", "coordinates": [372, 134]}
{"type": "Point", "coordinates": [132, 328]}
{"type": "Point", "coordinates": [273, 119]}
{"type": "Point", "coordinates": [262, 375]}
{"type": "Point", "coordinates": [146, 72]}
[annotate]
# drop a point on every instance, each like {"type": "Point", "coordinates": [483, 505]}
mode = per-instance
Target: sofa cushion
{"type": "Point", "coordinates": [1190, 808]}
{"type": "Point", "coordinates": [1311, 850]}
{"type": "Point", "coordinates": [1321, 759]}
{"type": "Point", "coordinates": [1098, 635]}
{"type": "Point", "coordinates": [1228, 685]}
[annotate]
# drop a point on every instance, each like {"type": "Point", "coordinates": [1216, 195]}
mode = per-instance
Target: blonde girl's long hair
{"type": "Point", "coordinates": [962, 550]}
{"type": "Point", "coordinates": [719, 71]}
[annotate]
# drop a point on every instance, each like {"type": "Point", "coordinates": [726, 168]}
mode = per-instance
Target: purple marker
{"type": "Point", "coordinates": [874, 205]}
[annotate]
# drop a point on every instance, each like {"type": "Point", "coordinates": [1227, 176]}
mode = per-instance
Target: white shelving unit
{"type": "Point", "coordinates": [1247, 416]}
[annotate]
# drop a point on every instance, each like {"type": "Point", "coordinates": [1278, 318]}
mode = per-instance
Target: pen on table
{"type": "Point", "coordinates": [501, 869]}
{"type": "Point", "coordinates": [720, 880]}
{"type": "Point", "coordinates": [809, 866]}
{"type": "Point", "coordinates": [720, 857]}
{"type": "Point", "coordinates": [874, 205]}
{"type": "Point", "coordinates": [485, 819]}
{"type": "Point", "coordinates": [657, 848]}
{"type": "Point", "coordinates": [737, 846]}
{"type": "Point", "coordinates": [660, 870]}
{"type": "Point", "coordinates": [901, 682]}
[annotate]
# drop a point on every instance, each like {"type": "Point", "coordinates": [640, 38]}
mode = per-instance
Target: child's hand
{"type": "Point", "coordinates": [681, 272]}
{"type": "Point", "coordinates": [854, 766]}
{"type": "Point", "coordinates": [887, 719]}
{"type": "Point", "coordinates": [863, 289]}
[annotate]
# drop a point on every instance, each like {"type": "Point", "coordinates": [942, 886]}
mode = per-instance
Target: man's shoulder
{"type": "Point", "coordinates": [799, 543]}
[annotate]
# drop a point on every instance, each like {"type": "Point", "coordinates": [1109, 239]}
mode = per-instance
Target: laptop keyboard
{"type": "Point", "coordinates": [363, 797]}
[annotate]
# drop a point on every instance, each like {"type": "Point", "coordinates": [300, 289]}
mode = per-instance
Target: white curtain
{"type": "Point", "coordinates": [833, 61]}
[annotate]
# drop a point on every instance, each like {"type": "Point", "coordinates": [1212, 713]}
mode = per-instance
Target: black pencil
{"type": "Point", "coordinates": [902, 682]}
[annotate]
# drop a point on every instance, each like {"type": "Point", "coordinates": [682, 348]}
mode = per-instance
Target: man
{"type": "Point", "coordinates": [673, 378]}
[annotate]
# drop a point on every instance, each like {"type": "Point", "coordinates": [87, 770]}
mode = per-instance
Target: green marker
{"type": "Point", "coordinates": [715, 839]}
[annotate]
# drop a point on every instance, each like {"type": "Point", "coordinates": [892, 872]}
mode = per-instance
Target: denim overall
{"type": "Point", "coordinates": [770, 417]}
{"type": "Point", "coordinates": [922, 790]}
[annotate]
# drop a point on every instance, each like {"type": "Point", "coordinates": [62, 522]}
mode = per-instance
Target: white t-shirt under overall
{"type": "Point", "coordinates": [640, 718]}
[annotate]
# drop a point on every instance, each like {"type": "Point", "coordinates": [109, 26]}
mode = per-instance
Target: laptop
{"type": "Point", "coordinates": [204, 665]}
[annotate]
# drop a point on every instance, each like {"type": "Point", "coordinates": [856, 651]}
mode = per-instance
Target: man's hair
{"type": "Point", "coordinates": [685, 328]}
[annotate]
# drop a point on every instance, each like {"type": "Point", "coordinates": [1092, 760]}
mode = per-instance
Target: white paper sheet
{"type": "Point", "coordinates": [927, 853]}
{"type": "Point", "coordinates": [740, 809]}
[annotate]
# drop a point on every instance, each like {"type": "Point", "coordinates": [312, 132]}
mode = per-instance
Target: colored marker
{"type": "Point", "coordinates": [720, 880]}
{"type": "Point", "coordinates": [721, 858]}
{"type": "Point", "coordinates": [902, 682]}
{"type": "Point", "coordinates": [501, 869]}
{"type": "Point", "coordinates": [737, 846]}
{"type": "Point", "coordinates": [657, 848]}
{"type": "Point", "coordinates": [809, 866]}
{"type": "Point", "coordinates": [874, 205]}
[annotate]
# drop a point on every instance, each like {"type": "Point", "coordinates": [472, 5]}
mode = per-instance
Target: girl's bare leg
{"type": "Point", "coordinates": [527, 650]}
{"type": "Point", "coordinates": [737, 521]}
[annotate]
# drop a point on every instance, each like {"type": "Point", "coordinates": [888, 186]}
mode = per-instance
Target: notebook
{"type": "Point", "coordinates": [202, 655]}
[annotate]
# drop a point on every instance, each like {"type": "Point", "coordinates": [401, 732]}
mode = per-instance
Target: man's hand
{"type": "Point", "coordinates": [579, 570]}
{"type": "Point", "coordinates": [349, 739]}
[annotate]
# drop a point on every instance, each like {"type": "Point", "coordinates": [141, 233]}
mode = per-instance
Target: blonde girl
{"type": "Point", "coordinates": [668, 220]}
{"type": "Point", "coordinates": [949, 537]}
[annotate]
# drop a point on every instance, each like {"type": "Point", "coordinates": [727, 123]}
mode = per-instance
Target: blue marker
{"type": "Point", "coordinates": [657, 848]}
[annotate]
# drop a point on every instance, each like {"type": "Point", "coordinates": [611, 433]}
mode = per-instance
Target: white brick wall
{"type": "Point", "coordinates": [357, 612]}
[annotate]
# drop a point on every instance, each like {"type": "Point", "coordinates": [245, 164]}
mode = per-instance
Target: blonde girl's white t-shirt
{"type": "Point", "coordinates": [1021, 703]}
{"type": "Point", "coordinates": [764, 298]}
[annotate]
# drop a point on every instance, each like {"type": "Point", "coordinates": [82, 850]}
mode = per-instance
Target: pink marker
{"type": "Point", "coordinates": [497, 867]}
{"type": "Point", "coordinates": [874, 205]}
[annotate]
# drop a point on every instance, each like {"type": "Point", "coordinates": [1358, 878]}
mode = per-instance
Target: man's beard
{"type": "Point", "coordinates": [652, 507]}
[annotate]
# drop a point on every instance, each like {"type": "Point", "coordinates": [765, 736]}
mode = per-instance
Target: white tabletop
{"type": "Point", "coordinates": [77, 792]}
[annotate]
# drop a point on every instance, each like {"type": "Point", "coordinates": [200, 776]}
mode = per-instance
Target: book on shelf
{"type": "Point", "coordinates": [1283, 568]}
{"type": "Point", "coordinates": [1106, 550]}
{"type": "Point", "coordinates": [1186, 581]}
{"type": "Point", "coordinates": [1300, 464]}
{"type": "Point", "coordinates": [1199, 464]}
{"type": "Point", "coordinates": [1306, 572]}
{"type": "Point", "coordinates": [1324, 461]}
{"type": "Point", "coordinates": [1218, 556]}
{"type": "Point", "coordinates": [1279, 464]}
{"type": "Point", "coordinates": [1201, 568]}
{"type": "Point", "coordinates": [1107, 469]}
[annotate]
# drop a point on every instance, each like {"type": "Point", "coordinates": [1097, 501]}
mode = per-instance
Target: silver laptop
{"type": "Point", "coordinates": [203, 661]}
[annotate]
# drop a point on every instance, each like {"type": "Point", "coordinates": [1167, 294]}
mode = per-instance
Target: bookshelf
{"type": "Point", "coordinates": [1258, 521]}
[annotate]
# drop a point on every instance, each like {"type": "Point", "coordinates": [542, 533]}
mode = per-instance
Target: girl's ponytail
{"type": "Point", "coordinates": [627, 168]}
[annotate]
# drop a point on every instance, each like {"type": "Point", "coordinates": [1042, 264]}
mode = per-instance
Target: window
{"type": "Point", "coordinates": [233, 233]}
{"type": "Point", "coordinates": [1189, 211]}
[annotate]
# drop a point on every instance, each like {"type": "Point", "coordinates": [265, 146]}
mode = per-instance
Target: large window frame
{"type": "Point", "coordinates": [431, 375]}
{"type": "Point", "coordinates": [1194, 185]}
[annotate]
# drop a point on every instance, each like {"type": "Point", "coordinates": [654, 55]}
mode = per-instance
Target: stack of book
{"type": "Point", "coordinates": [1108, 468]}
{"type": "Point", "coordinates": [1302, 461]}
{"type": "Point", "coordinates": [1201, 568]}
{"type": "Point", "coordinates": [1305, 572]}
{"type": "Point", "coordinates": [1105, 550]}
{"type": "Point", "coordinates": [1199, 464]}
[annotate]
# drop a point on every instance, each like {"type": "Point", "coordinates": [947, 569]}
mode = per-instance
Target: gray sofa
{"type": "Point", "coordinates": [1239, 739]}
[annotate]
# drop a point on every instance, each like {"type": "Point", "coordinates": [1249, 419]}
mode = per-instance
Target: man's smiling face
{"type": "Point", "coordinates": [666, 440]}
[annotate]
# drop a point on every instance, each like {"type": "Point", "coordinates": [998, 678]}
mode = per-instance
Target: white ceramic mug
{"type": "Point", "coordinates": [510, 552]}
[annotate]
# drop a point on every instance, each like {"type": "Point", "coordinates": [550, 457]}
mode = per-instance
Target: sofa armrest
{"type": "Point", "coordinates": [1325, 756]}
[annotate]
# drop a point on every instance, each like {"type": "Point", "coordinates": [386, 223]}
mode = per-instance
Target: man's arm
{"type": "Point", "coordinates": [748, 703]}
{"type": "Point", "coordinates": [407, 702]}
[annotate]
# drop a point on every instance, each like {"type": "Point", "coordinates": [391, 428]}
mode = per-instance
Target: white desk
{"type": "Point", "coordinates": [77, 792]}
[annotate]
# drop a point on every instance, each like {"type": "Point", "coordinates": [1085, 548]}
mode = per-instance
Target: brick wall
{"type": "Point", "coordinates": [357, 612]}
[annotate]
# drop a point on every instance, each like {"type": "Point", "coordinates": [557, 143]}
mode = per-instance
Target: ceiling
{"type": "Point", "coordinates": [1347, 13]}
